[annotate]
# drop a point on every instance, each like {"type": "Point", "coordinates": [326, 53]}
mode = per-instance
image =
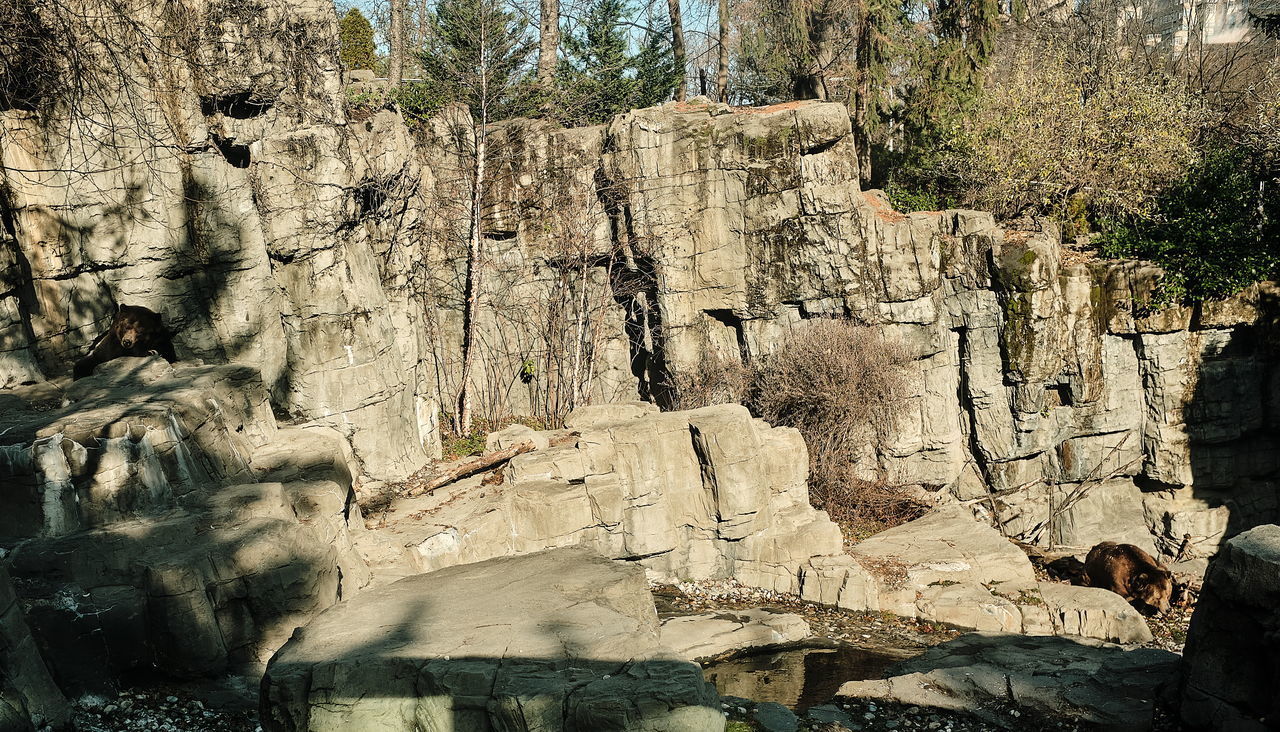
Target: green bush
{"type": "Point", "coordinates": [1215, 232]}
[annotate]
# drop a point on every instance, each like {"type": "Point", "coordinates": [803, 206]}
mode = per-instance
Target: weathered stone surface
{"type": "Point", "coordinates": [227, 201]}
{"type": "Point", "coordinates": [1044, 678]}
{"type": "Point", "coordinates": [28, 697]}
{"type": "Point", "coordinates": [557, 640]}
{"type": "Point", "coordinates": [949, 568]}
{"type": "Point", "coordinates": [711, 634]}
{"type": "Point", "coordinates": [706, 493]}
{"type": "Point", "coordinates": [1229, 675]}
{"type": "Point", "coordinates": [165, 522]}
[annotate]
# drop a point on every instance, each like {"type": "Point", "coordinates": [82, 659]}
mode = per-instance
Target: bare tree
{"type": "Point", "coordinates": [722, 61]}
{"type": "Point", "coordinates": [395, 43]}
{"type": "Point", "coordinates": [677, 45]}
{"type": "Point", "coordinates": [548, 41]}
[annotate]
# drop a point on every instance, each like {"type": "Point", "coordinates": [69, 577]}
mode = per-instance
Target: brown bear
{"type": "Point", "coordinates": [1132, 574]}
{"type": "Point", "coordinates": [134, 331]}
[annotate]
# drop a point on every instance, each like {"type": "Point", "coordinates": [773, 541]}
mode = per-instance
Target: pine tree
{"type": "Point", "coordinates": [600, 77]}
{"type": "Point", "coordinates": [355, 42]}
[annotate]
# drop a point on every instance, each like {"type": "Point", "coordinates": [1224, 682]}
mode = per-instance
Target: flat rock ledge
{"type": "Point", "coordinates": [1010, 680]}
{"type": "Point", "coordinates": [558, 640]}
{"type": "Point", "coordinates": [707, 635]}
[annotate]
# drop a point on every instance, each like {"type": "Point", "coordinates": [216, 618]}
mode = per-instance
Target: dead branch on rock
{"type": "Point", "coordinates": [461, 469]}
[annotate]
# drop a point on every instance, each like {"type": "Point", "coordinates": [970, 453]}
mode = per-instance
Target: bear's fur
{"type": "Point", "coordinates": [134, 331]}
{"type": "Point", "coordinates": [1131, 573]}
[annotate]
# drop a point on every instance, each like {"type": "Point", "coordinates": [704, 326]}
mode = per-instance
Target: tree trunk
{"type": "Point", "coordinates": [469, 466]}
{"type": "Point", "coordinates": [722, 63]}
{"type": "Point", "coordinates": [677, 45]}
{"type": "Point", "coordinates": [813, 83]}
{"type": "Point", "coordinates": [475, 233]}
{"type": "Point", "coordinates": [548, 42]}
{"type": "Point", "coordinates": [395, 46]}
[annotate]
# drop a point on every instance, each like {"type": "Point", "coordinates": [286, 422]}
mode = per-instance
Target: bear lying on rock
{"type": "Point", "coordinates": [1131, 573]}
{"type": "Point", "coordinates": [134, 331]}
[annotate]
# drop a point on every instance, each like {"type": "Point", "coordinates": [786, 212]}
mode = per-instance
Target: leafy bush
{"type": "Point", "coordinates": [419, 101]}
{"type": "Point", "coordinates": [1215, 232]}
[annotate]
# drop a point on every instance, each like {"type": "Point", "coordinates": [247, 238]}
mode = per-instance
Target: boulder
{"type": "Point", "coordinates": [556, 640]}
{"type": "Point", "coordinates": [1230, 676]}
{"type": "Point", "coordinates": [1043, 678]}
{"type": "Point", "coordinates": [711, 634]}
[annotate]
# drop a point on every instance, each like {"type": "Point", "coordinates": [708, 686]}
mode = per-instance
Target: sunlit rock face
{"type": "Point", "coordinates": [197, 162]}
{"type": "Point", "coordinates": [691, 233]}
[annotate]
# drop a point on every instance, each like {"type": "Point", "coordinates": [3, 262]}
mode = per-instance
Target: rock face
{"type": "Point", "coordinates": [273, 226]}
{"type": "Point", "coordinates": [707, 493]}
{"type": "Point", "coordinates": [28, 697]}
{"type": "Point", "coordinates": [949, 568]}
{"type": "Point", "coordinates": [1041, 678]}
{"type": "Point", "coordinates": [557, 640]}
{"type": "Point", "coordinates": [1230, 675]}
{"type": "Point", "coordinates": [227, 198]}
{"type": "Point", "coordinates": [1036, 376]}
{"type": "Point", "coordinates": [162, 520]}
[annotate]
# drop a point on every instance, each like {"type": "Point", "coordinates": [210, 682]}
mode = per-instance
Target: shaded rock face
{"type": "Point", "coordinates": [1042, 678]}
{"type": "Point", "coordinates": [28, 697]}
{"type": "Point", "coordinates": [162, 521]}
{"type": "Point", "coordinates": [557, 640]}
{"type": "Point", "coordinates": [1231, 667]}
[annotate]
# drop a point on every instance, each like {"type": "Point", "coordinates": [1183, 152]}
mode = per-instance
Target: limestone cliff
{"type": "Point", "coordinates": [216, 176]}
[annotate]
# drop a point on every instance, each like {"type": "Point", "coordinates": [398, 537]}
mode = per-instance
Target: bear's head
{"type": "Point", "coordinates": [137, 327]}
{"type": "Point", "coordinates": [1152, 590]}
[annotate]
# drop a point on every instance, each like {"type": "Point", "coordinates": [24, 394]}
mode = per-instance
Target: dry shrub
{"type": "Point", "coordinates": [836, 382]}
{"type": "Point", "coordinates": [717, 380]}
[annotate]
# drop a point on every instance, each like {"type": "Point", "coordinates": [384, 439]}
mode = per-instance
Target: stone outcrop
{"type": "Point", "coordinates": [29, 700]}
{"type": "Point", "coordinates": [947, 567]}
{"type": "Point", "coordinates": [1230, 676]}
{"type": "Point", "coordinates": [209, 178]}
{"type": "Point", "coordinates": [557, 640]}
{"type": "Point", "coordinates": [162, 520]}
{"type": "Point", "coordinates": [1040, 679]}
{"type": "Point", "coordinates": [691, 234]}
{"type": "Point", "coordinates": [707, 493]}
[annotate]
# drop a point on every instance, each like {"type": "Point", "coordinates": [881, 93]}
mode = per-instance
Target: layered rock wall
{"type": "Point", "coordinates": [221, 180]}
{"type": "Point", "coordinates": [1044, 387]}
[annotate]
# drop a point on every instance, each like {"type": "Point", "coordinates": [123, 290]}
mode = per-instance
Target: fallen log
{"type": "Point", "coordinates": [470, 466]}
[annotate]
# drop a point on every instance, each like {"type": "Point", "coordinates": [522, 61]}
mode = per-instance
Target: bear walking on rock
{"type": "Point", "coordinates": [1131, 573]}
{"type": "Point", "coordinates": [134, 331]}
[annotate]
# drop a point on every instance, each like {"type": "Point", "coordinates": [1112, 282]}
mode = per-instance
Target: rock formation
{"type": "Point", "coordinates": [162, 520]}
{"type": "Point", "coordinates": [273, 226]}
{"type": "Point", "coordinates": [1017, 682]}
{"type": "Point", "coordinates": [557, 640]}
{"type": "Point", "coordinates": [1230, 675]}
{"type": "Point", "coordinates": [29, 699]}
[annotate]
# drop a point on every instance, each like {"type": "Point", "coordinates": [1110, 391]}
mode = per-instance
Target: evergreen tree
{"type": "Point", "coordinates": [355, 42]}
{"type": "Point", "coordinates": [474, 53]}
{"type": "Point", "coordinates": [600, 77]}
